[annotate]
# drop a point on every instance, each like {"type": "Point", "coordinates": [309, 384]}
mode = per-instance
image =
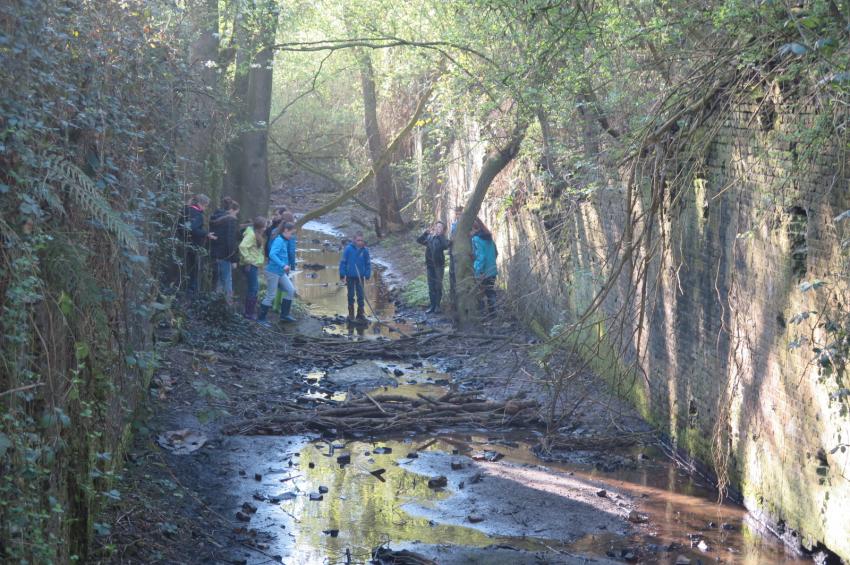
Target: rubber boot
{"type": "Point", "coordinates": [264, 311]}
{"type": "Point", "coordinates": [350, 313]}
{"type": "Point", "coordinates": [361, 316]}
{"type": "Point", "coordinates": [251, 307]}
{"type": "Point", "coordinates": [285, 309]}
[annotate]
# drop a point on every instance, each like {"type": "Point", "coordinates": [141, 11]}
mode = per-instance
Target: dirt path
{"type": "Point", "coordinates": [297, 499]}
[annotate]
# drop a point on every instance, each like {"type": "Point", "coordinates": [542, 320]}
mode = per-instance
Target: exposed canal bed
{"type": "Point", "coordinates": [315, 499]}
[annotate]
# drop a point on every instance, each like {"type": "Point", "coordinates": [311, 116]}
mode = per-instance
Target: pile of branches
{"type": "Point", "coordinates": [423, 344]}
{"type": "Point", "coordinates": [390, 413]}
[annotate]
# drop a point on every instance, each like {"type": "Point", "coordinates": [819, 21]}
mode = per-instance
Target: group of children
{"type": "Point", "coordinates": [262, 245]}
{"type": "Point", "coordinates": [270, 247]}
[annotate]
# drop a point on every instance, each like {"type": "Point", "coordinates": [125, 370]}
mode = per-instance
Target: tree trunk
{"type": "Point", "coordinates": [241, 79]}
{"type": "Point", "coordinates": [467, 286]}
{"type": "Point", "coordinates": [388, 207]}
{"type": "Point", "coordinates": [200, 146]}
{"type": "Point", "coordinates": [254, 189]}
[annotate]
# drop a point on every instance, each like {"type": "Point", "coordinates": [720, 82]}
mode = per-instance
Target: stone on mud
{"type": "Point", "coordinates": [242, 517]}
{"type": "Point", "coordinates": [438, 482]}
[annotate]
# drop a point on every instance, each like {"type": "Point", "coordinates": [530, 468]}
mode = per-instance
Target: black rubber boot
{"type": "Point", "coordinates": [361, 316]}
{"type": "Point", "coordinates": [350, 313]}
{"type": "Point", "coordinates": [264, 311]}
{"type": "Point", "coordinates": [285, 308]}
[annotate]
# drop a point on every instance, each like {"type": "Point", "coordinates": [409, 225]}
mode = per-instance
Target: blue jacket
{"type": "Point", "coordinates": [293, 241]}
{"type": "Point", "coordinates": [484, 251]}
{"type": "Point", "coordinates": [278, 255]}
{"type": "Point", "coordinates": [355, 262]}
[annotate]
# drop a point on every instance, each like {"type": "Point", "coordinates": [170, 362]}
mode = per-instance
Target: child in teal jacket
{"type": "Point", "coordinates": [484, 263]}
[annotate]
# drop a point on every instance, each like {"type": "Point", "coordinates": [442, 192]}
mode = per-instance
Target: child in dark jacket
{"type": "Point", "coordinates": [435, 243]}
{"type": "Point", "coordinates": [355, 267]}
{"type": "Point", "coordinates": [225, 249]}
{"type": "Point", "coordinates": [191, 230]}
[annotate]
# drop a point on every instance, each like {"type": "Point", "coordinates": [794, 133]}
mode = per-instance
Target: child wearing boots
{"type": "Point", "coordinates": [435, 243]}
{"type": "Point", "coordinates": [277, 273]}
{"type": "Point", "coordinates": [251, 252]}
{"type": "Point", "coordinates": [355, 267]}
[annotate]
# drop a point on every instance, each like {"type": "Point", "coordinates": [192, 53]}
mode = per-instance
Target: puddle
{"type": "Point", "coordinates": [401, 379]}
{"type": "Point", "coordinates": [359, 511]}
{"type": "Point", "coordinates": [523, 504]}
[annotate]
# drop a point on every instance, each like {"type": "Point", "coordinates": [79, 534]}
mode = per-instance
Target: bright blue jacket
{"type": "Point", "coordinates": [290, 250]}
{"type": "Point", "coordinates": [278, 256]}
{"type": "Point", "coordinates": [484, 251]}
{"type": "Point", "coordinates": [355, 262]}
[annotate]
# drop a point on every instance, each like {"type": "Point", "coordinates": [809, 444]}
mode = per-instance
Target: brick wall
{"type": "Point", "coordinates": [723, 296]}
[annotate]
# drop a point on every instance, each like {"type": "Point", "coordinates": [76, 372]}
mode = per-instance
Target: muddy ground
{"type": "Point", "coordinates": [613, 497]}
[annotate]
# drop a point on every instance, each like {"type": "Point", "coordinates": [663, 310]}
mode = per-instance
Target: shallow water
{"type": "Point", "coordinates": [362, 510]}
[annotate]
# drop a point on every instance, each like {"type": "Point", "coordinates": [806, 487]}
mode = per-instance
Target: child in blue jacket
{"type": "Point", "coordinates": [354, 268]}
{"type": "Point", "coordinates": [484, 262]}
{"type": "Point", "coordinates": [277, 273]}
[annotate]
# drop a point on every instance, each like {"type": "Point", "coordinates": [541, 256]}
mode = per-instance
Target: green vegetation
{"type": "Point", "coordinates": [415, 292]}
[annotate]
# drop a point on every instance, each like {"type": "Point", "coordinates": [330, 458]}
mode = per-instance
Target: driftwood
{"type": "Point", "coordinates": [383, 555]}
{"type": "Point", "coordinates": [419, 345]}
{"type": "Point", "coordinates": [395, 413]}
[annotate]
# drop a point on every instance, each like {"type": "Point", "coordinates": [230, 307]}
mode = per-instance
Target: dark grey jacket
{"type": "Point", "coordinates": [435, 247]}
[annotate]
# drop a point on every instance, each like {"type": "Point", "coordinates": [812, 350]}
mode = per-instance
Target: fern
{"type": "Point", "coordinates": [88, 197]}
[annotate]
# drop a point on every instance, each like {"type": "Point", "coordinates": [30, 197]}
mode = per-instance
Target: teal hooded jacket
{"type": "Point", "coordinates": [485, 253]}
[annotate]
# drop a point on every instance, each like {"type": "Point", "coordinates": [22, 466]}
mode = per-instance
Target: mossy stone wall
{"type": "Point", "coordinates": [723, 339]}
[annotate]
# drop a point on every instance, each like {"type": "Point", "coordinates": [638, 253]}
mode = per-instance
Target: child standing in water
{"type": "Point", "coordinates": [277, 274]}
{"type": "Point", "coordinates": [251, 252]}
{"type": "Point", "coordinates": [355, 267]}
